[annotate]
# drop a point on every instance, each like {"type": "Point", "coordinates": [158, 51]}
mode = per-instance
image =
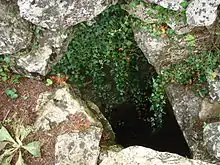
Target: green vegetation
{"type": "Point", "coordinates": [12, 145]}
{"type": "Point", "coordinates": [193, 71]}
{"type": "Point", "coordinates": [105, 58]}
{"type": "Point", "coordinates": [4, 68]}
{"type": "Point", "coordinates": [11, 93]}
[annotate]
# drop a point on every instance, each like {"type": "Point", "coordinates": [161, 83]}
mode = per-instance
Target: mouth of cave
{"type": "Point", "coordinates": [131, 129]}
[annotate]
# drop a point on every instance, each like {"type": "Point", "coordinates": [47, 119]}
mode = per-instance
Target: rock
{"type": "Point", "coordinates": [137, 155]}
{"type": "Point", "coordinates": [59, 106]}
{"type": "Point", "coordinates": [109, 152]}
{"type": "Point", "coordinates": [169, 4]}
{"type": "Point", "coordinates": [78, 148]}
{"type": "Point", "coordinates": [202, 12]}
{"type": "Point", "coordinates": [15, 33]}
{"type": "Point", "coordinates": [46, 50]}
{"type": "Point", "coordinates": [211, 136]}
{"type": "Point", "coordinates": [107, 128]}
{"type": "Point", "coordinates": [162, 51]}
{"type": "Point", "coordinates": [186, 108]}
{"type": "Point", "coordinates": [150, 16]}
{"type": "Point", "coordinates": [214, 85]}
{"type": "Point", "coordinates": [56, 15]}
{"type": "Point", "coordinates": [209, 109]}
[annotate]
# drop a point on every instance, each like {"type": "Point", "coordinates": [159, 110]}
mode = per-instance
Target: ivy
{"type": "Point", "coordinates": [103, 57]}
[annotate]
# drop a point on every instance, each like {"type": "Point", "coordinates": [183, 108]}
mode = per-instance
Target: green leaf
{"type": "Point", "coordinates": [184, 4]}
{"type": "Point", "coordinates": [7, 153]}
{"type": "Point", "coordinates": [7, 160]}
{"type": "Point", "coordinates": [7, 59]}
{"type": "Point", "coordinates": [20, 160]}
{"type": "Point", "coordinates": [2, 145]}
{"type": "Point", "coordinates": [33, 148]}
{"type": "Point", "coordinates": [5, 136]}
{"type": "Point", "coordinates": [22, 132]}
{"type": "Point", "coordinates": [49, 82]}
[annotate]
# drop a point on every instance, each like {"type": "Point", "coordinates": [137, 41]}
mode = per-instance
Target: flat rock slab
{"type": "Point", "coordinates": [55, 14]}
{"type": "Point", "coordinates": [80, 148]}
{"type": "Point", "coordinates": [137, 155]}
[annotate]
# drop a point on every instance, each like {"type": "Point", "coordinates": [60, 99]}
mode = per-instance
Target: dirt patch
{"type": "Point", "coordinates": [23, 107]}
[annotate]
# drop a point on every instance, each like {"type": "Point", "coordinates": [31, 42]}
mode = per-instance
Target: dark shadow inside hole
{"type": "Point", "coordinates": [130, 130]}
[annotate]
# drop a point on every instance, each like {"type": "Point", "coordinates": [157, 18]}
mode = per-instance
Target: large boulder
{"type": "Point", "coordinates": [77, 124]}
{"type": "Point", "coordinates": [15, 32]}
{"type": "Point", "coordinates": [55, 14]}
{"type": "Point", "coordinates": [202, 12]}
{"type": "Point", "coordinates": [47, 49]}
{"type": "Point", "coordinates": [137, 155]}
{"type": "Point", "coordinates": [78, 148]}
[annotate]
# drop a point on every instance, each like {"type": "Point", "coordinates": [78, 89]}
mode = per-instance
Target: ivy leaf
{"type": "Point", "coordinates": [33, 148]}
{"type": "Point", "coordinates": [5, 136]}
{"type": "Point", "coordinates": [20, 160]}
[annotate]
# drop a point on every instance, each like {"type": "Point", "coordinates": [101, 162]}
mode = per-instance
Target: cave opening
{"type": "Point", "coordinates": [131, 130]}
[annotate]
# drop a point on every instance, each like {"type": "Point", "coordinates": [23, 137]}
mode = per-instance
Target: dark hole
{"type": "Point", "coordinates": [131, 130]}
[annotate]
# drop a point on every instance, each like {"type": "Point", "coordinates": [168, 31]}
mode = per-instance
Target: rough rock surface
{"type": "Point", "coordinates": [186, 107]}
{"type": "Point", "coordinates": [202, 12]}
{"type": "Point", "coordinates": [47, 49]}
{"type": "Point", "coordinates": [78, 148]}
{"type": "Point", "coordinates": [214, 85]}
{"type": "Point", "coordinates": [137, 155]}
{"type": "Point", "coordinates": [109, 152]}
{"type": "Point", "coordinates": [15, 33]}
{"type": "Point", "coordinates": [161, 51]}
{"type": "Point", "coordinates": [149, 16]}
{"type": "Point", "coordinates": [209, 109]}
{"type": "Point", "coordinates": [211, 136]}
{"type": "Point", "coordinates": [55, 14]}
{"type": "Point", "coordinates": [54, 108]}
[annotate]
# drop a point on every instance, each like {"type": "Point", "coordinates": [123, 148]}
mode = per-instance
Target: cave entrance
{"type": "Point", "coordinates": [131, 130]}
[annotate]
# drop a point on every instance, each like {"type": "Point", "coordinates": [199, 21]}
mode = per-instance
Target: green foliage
{"type": "Point", "coordinates": [9, 145]}
{"type": "Point", "coordinates": [4, 68]}
{"type": "Point", "coordinates": [105, 58]}
{"type": "Point", "coordinates": [11, 93]}
{"type": "Point", "coordinates": [193, 71]}
{"type": "Point", "coordinates": [49, 82]}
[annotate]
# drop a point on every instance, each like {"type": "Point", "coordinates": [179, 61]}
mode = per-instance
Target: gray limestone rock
{"type": "Point", "coordinates": [214, 85]}
{"type": "Point", "coordinates": [54, 108]}
{"type": "Point", "coordinates": [56, 14]}
{"type": "Point", "coordinates": [137, 155]}
{"type": "Point", "coordinates": [161, 52]}
{"type": "Point", "coordinates": [109, 152]}
{"type": "Point", "coordinates": [15, 32]}
{"type": "Point", "coordinates": [47, 49]}
{"type": "Point", "coordinates": [211, 136]}
{"type": "Point", "coordinates": [78, 148]}
{"type": "Point", "coordinates": [202, 12]}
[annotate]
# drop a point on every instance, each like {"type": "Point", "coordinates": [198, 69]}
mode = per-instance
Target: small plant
{"type": "Point", "coordinates": [193, 72]}
{"type": "Point", "coordinates": [13, 145]}
{"type": "Point", "coordinates": [11, 93]}
{"type": "Point", "coordinates": [49, 82]}
{"type": "Point", "coordinates": [4, 68]}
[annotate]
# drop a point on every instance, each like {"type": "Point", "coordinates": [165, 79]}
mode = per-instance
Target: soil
{"type": "Point", "coordinates": [22, 109]}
